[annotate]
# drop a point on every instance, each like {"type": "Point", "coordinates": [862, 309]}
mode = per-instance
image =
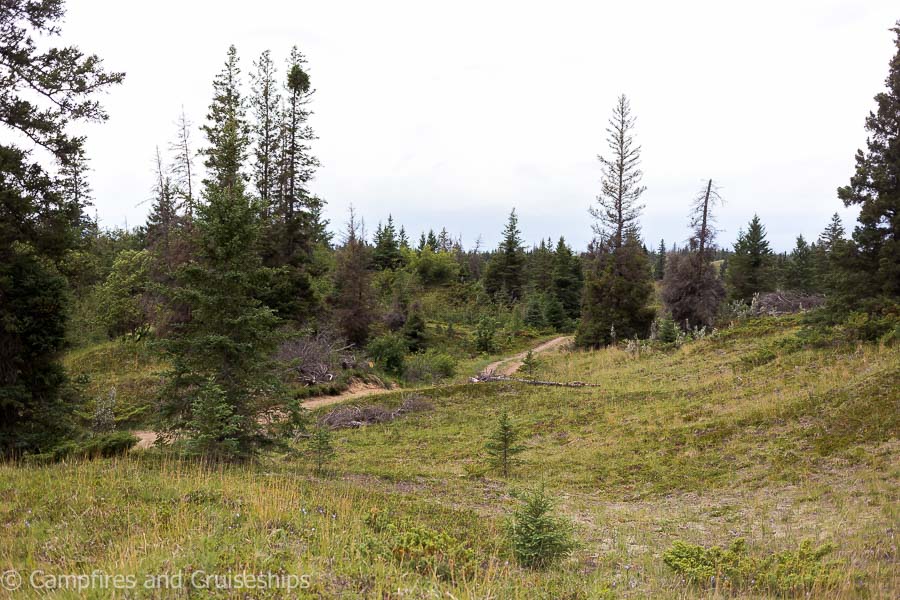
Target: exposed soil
{"type": "Point", "coordinates": [508, 366]}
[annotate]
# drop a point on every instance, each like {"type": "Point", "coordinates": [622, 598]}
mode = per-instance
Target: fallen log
{"type": "Point", "coordinates": [488, 378]}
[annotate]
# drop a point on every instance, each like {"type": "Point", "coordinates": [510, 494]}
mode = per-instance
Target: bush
{"type": "Point", "coordinates": [430, 366]}
{"type": "Point", "coordinates": [425, 551]}
{"type": "Point", "coordinates": [389, 352]}
{"type": "Point", "coordinates": [539, 539]}
{"type": "Point", "coordinates": [484, 334]}
{"type": "Point", "coordinates": [734, 568]}
{"type": "Point", "coordinates": [435, 268]}
{"type": "Point", "coordinates": [96, 446]}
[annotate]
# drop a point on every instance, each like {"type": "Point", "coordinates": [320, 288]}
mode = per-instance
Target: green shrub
{"type": "Point", "coordinates": [539, 538]}
{"type": "Point", "coordinates": [425, 551]}
{"type": "Point", "coordinates": [735, 569]}
{"type": "Point", "coordinates": [103, 445]}
{"type": "Point", "coordinates": [484, 334]}
{"type": "Point", "coordinates": [761, 357]}
{"type": "Point", "coordinates": [389, 352]}
{"type": "Point", "coordinates": [871, 326]}
{"type": "Point", "coordinates": [430, 366]}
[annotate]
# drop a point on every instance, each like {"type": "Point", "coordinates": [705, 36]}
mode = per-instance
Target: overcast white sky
{"type": "Point", "coordinates": [449, 114]}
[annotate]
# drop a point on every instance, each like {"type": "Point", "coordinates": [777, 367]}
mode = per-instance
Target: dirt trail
{"type": "Point", "coordinates": [508, 366]}
{"type": "Point", "coordinates": [505, 366]}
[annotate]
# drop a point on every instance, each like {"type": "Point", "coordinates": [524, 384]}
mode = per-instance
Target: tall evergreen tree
{"type": "Point", "coordinates": [353, 297]}
{"type": "Point", "coordinates": [222, 378]}
{"type": "Point", "coordinates": [386, 254]}
{"type": "Point", "coordinates": [265, 102]}
{"type": "Point", "coordinates": [226, 128]}
{"type": "Point", "coordinates": [539, 266]}
{"type": "Point", "coordinates": [828, 277]}
{"type": "Point", "coordinates": [504, 276]}
{"type": "Point", "coordinates": [750, 269]}
{"type": "Point", "coordinates": [832, 234]}
{"type": "Point", "coordinates": [567, 279]}
{"type": "Point", "coordinates": [298, 165]}
{"type": "Point", "coordinates": [42, 92]}
{"type": "Point", "coordinates": [800, 272]}
{"type": "Point", "coordinates": [617, 291]}
{"type": "Point", "coordinates": [871, 267]}
{"type": "Point", "coordinates": [659, 266]}
{"type": "Point", "coordinates": [619, 205]}
{"type": "Point", "coordinates": [618, 283]}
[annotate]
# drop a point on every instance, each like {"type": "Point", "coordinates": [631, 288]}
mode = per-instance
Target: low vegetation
{"type": "Point", "coordinates": [654, 477]}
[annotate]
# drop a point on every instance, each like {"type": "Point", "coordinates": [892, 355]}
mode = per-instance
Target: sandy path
{"type": "Point", "coordinates": [508, 366]}
{"type": "Point", "coordinates": [505, 366]}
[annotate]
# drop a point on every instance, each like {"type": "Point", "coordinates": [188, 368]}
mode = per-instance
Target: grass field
{"type": "Point", "coordinates": [747, 434]}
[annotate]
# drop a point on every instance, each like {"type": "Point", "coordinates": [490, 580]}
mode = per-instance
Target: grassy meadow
{"type": "Point", "coordinates": [750, 434]}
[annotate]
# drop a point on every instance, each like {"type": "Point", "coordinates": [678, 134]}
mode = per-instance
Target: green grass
{"type": "Point", "coordinates": [690, 448]}
{"type": "Point", "coordinates": [131, 368]}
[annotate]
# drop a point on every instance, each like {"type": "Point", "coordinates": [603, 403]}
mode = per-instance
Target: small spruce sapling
{"type": "Point", "coordinates": [668, 333]}
{"type": "Point", "coordinates": [539, 538]}
{"type": "Point", "coordinates": [502, 446]}
{"type": "Point", "coordinates": [321, 448]}
{"type": "Point", "coordinates": [529, 364]}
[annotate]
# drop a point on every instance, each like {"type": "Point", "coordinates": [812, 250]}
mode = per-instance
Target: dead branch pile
{"type": "Point", "coordinates": [350, 417]}
{"type": "Point", "coordinates": [486, 378]}
{"type": "Point", "coordinates": [788, 302]}
{"type": "Point", "coordinates": [316, 359]}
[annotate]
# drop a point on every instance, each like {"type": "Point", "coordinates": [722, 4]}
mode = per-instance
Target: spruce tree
{"type": "Point", "coordinates": [800, 270]}
{"type": "Point", "coordinates": [618, 284]}
{"type": "Point", "coordinates": [44, 91]}
{"type": "Point", "coordinates": [659, 266]}
{"type": "Point", "coordinates": [265, 102]}
{"type": "Point", "coordinates": [353, 298]}
{"type": "Point", "coordinates": [223, 353]}
{"type": "Point", "coordinates": [828, 276]}
{"type": "Point", "coordinates": [226, 128]}
{"type": "Point", "coordinates": [619, 205]}
{"type": "Point", "coordinates": [832, 235]}
{"type": "Point", "coordinates": [617, 292]}
{"type": "Point", "coordinates": [567, 279]}
{"type": "Point", "coordinates": [750, 270]}
{"type": "Point", "coordinates": [505, 274]}
{"type": "Point", "coordinates": [871, 266]}
{"type": "Point", "coordinates": [386, 253]}
{"type": "Point", "coordinates": [222, 378]}
{"type": "Point", "coordinates": [503, 446]}
{"type": "Point", "coordinates": [539, 265]}
{"type": "Point", "coordinates": [298, 165]}
{"type": "Point", "coordinates": [321, 449]}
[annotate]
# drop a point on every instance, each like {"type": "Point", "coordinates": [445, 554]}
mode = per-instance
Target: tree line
{"type": "Point", "coordinates": [232, 264]}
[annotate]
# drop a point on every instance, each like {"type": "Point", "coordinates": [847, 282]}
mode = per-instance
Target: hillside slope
{"type": "Point", "coordinates": [744, 435]}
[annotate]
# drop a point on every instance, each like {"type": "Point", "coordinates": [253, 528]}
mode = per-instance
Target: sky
{"type": "Point", "coordinates": [450, 114]}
